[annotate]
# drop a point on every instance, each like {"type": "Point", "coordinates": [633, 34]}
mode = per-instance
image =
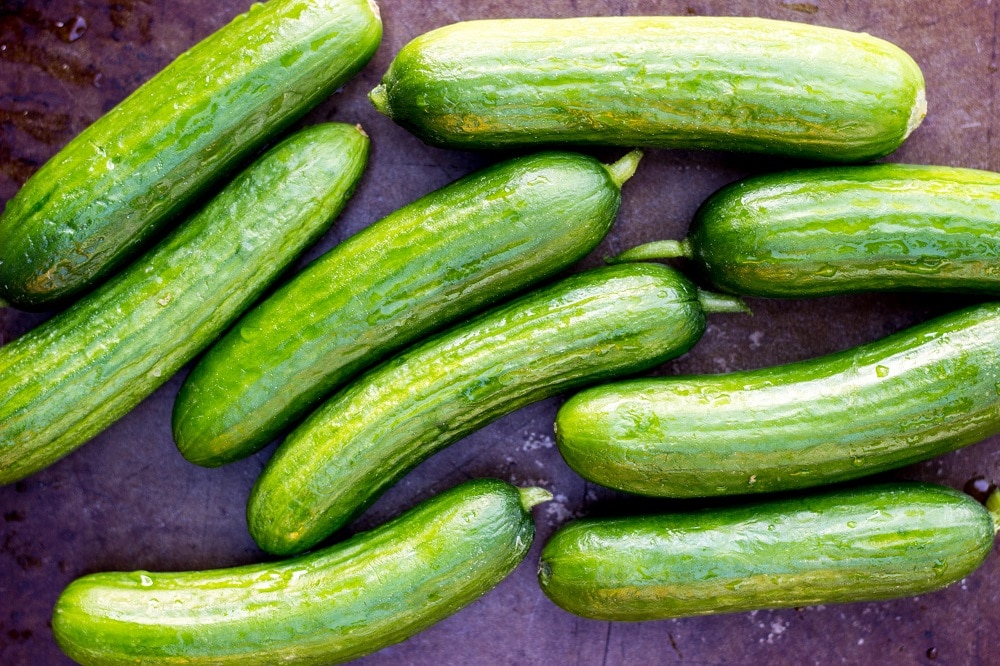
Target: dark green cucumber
{"type": "Point", "coordinates": [77, 373]}
{"type": "Point", "coordinates": [863, 544]}
{"type": "Point", "coordinates": [847, 229]}
{"type": "Point", "coordinates": [724, 83]}
{"type": "Point", "coordinates": [95, 204]}
{"type": "Point", "coordinates": [914, 395]}
{"type": "Point", "coordinates": [590, 326]}
{"type": "Point", "coordinates": [378, 588]}
{"type": "Point", "coordinates": [442, 256]}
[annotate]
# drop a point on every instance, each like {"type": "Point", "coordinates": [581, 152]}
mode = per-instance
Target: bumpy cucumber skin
{"type": "Point", "coordinates": [351, 599]}
{"type": "Point", "coordinates": [849, 229]}
{"type": "Point", "coordinates": [77, 373]}
{"type": "Point", "coordinates": [694, 82]}
{"type": "Point", "coordinates": [909, 397]}
{"type": "Point", "coordinates": [442, 256]}
{"type": "Point", "coordinates": [95, 203]}
{"type": "Point", "coordinates": [863, 544]}
{"type": "Point", "coordinates": [590, 326]}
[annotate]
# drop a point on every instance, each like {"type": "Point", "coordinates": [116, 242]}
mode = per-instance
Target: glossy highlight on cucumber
{"type": "Point", "coordinates": [111, 189]}
{"type": "Point", "coordinates": [863, 544]}
{"type": "Point", "coordinates": [914, 395]}
{"type": "Point", "coordinates": [441, 257]}
{"type": "Point", "coordinates": [724, 83]}
{"type": "Point", "coordinates": [354, 598]}
{"type": "Point", "coordinates": [591, 326]}
{"type": "Point", "coordinates": [66, 380]}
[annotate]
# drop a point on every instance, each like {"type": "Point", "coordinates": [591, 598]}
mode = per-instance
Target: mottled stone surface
{"type": "Point", "coordinates": [127, 500]}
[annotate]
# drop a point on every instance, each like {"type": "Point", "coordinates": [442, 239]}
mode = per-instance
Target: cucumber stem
{"type": "Point", "coordinates": [714, 302]}
{"type": "Point", "coordinates": [993, 506]}
{"type": "Point", "coordinates": [664, 249]}
{"type": "Point", "coordinates": [624, 168]}
{"type": "Point", "coordinates": [533, 496]}
{"type": "Point", "coordinates": [380, 99]}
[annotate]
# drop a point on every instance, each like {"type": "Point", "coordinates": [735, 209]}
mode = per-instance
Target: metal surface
{"type": "Point", "coordinates": [127, 500]}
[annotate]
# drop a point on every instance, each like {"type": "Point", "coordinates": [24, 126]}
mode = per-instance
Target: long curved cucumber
{"type": "Point", "coordinates": [724, 83]}
{"type": "Point", "coordinates": [375, 589]}
{"type": "Point", "coordinates": [95, 204]}
{"type": "Point", "coordinates": [69, 378]}
{"type": "Point", "coordinates": [590, 326]}
{"type": "Point", "coordinates": [909, 397]}
{"type": "Point", "coordinates": [863, 544]}
{"type": "Point", "coordinates": [847, 229]}
{"type": "Point", "coordinates": [442, 256]}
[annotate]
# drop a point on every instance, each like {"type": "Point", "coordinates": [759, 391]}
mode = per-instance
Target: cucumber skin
{"type": "Point", "coordinates": [667, 82]}
{"type": "Point", "coordinates": [590, 326]}
{"type": "Point", "coordinates": [98, 201]}
{"type": "Point", "coordinates": [351, 599]}
{"type": "Point", "coordinates": [442, 256]}
{"type": "Point", "coordinates": [864, 544]}
{"type": "Point", "coordinates": [848, 229]}
{"type": "Point", "coordinates": [914, 395]}
{"type": "Point", "coordinates": [80, 371]}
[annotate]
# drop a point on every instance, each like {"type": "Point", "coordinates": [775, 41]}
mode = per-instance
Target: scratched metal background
{"type": "Point", "coordinates": [127, 500]}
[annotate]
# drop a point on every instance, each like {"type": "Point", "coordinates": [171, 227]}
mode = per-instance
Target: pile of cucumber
{"type": "Point", "coordinates": [445, 315]}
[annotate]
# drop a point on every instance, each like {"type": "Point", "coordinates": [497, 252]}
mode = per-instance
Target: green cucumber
{"type": "Point", "coordinates": [590, 326]}
{"type": "Point", "coordinates": [847, 229]}
{"type": "Point", "coordinates": [69, 378]}
{"type": "Point", "coordinates": [864, 544]}
{"type": "Point", "coordinates": [99, 201]}
{"type": "Point", "coordinates": [724, 83]}
{"type": "Point", "coordinates": [373, 590]}
{"type": "Point", "coordinates": [434, 260]}
{"type": "Point", "coordinates": [909, 397]}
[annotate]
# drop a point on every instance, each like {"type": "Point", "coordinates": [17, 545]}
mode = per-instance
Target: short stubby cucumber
{"type": "Point", "coordinates": [838, 230]}
{"type": "Point", "coordinates": [72, 376]}
{"type": "Point", "coordinates": [590, 326]}
{"type": "Point", "coordinates": [864, 544]}
{"type": "Point", "coordinates": [746, 84]}
{"type": "Point", "coordinates": [909, 397]}
{"type": "Point", "coordinates": [110, 190]}
{"type": "Point", "coordinates": [373, 590]}
{"type": "Point", "coordinates": [434, 260]}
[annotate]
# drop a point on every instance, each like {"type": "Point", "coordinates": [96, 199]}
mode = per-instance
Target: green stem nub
{"type": "Point", "coordinates": [621, 170]}
{"type": "Point", "coordinates": [713, 302]}
{"type": "Point", "coordinates": [380, 99]}
{"type": "Point", "coordinates": [993, 506]}
{"type": "Point", "coordinates": [533, 496]}
{"type": "Point", "coordinates": [664, 249]}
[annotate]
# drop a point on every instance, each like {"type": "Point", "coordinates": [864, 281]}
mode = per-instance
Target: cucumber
{"type": "Point", "coordinates": [724, 83]}
{"type": "Point", "coordinates": [590, 326]}
{"type": "Point", "coordinates": [436, 259]}
{"type": "Point", "coordinates": [99, 201]}
{"type": "Point", "coordinates": [863, 544]}
{"type": "Point", "coordinates": [72, 376]}
{"type": "Point", "coordinates": [909, 397]}
{"type": "Point", "coordinates": [839, 230]}
{"type": "Point", "coordinates": [375, 589]}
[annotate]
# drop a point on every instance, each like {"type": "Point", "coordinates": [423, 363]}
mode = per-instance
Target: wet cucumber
{"type": "Point", "coordinates": [847, 229]}
{"type": "Point", "coordinates": [96, 202]}
{"type": "Point", "coordinates": [590, 326]}
{"type": "Point", "coordinates": [863, 544]}
{"type": "Point", "coordinates": [376, 589]}
{"type": "Point", "coordinates": [77, 373]}
{"type": "Point", "coordinates": [442, 256]}
{"type": "Point", "coordinates": [724, 83]}
{"type": "Point", "coordinates": [909, 397]}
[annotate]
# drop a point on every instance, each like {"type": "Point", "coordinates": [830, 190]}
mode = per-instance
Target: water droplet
{"type": "Point", "coordinates": [940, 567]}
{"type": "Point", "coordinates": [145, 580]}
{"type": "Point", "coordinates": [73, 29]}
{"type": "Point", "coordinates": [881, 371]}
{"type": "Point", "coordinates": [978, 487]}
{"type": "Point", "coordinates": [852, 524]}
{"type": "Point", "coordinates": [827, 271]}
{"type": "Point", "coordinates": [163, 302]}
{"type": "Point", "coordinates": [932, 653]}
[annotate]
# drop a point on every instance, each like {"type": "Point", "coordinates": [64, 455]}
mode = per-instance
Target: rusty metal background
{"type": "Point", "coordinates": [127, 500]}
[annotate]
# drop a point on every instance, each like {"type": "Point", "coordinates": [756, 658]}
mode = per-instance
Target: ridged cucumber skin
{"type": "Point", "coordinates": [590, 326]}
{"type": "Point", "coordinates": [373, 590]}
{"type": "Point", "coordinates": [908, 397]}
{"type": "Point", "coordinates": [80, 371]}
{"type": "Point", "coordinates": [98, 201]}
{"type": "Point", "coordinates": [436, 259]}
{"type": "Point", "coordinates": [863, 544]}
{"type": "Point", "coordinates": [743, 84]}
{"type": "Point", "coordinates": [849, 229]}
